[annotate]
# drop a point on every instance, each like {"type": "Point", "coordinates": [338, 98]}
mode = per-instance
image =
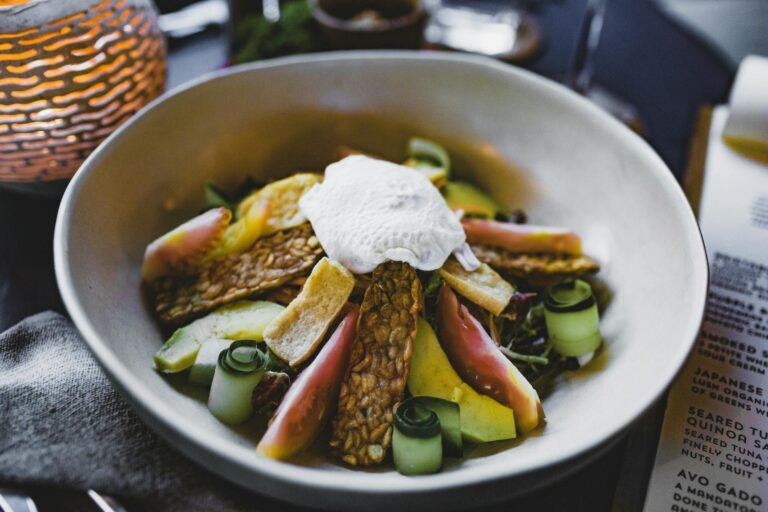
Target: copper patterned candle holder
{"type": "Point", "coordinates": [71, 72]}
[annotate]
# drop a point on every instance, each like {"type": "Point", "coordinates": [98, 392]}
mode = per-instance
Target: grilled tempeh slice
{"type": "Point", "coordinates": [378, 368]}
{"type": "Point", "coordinates": [269, 263]}
{"type": "Point", "coordinates": [538, 269]}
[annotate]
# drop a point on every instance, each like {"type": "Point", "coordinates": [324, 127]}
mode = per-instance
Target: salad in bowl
{"type": "Point", "coordinates": [386, 310]}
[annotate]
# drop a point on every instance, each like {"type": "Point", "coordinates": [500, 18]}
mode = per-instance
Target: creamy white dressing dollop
{"type": "Point", "coordinates": [369, 211]}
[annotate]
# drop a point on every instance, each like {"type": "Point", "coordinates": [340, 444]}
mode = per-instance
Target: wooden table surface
{"type": "Point", "coordinates": [646, 58]}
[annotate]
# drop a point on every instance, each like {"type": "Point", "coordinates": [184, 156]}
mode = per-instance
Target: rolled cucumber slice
{"type": "Point", "coordinates": [416, 455]}
{"type": "Point", "coordinates": [244, 319]}
{"type": "Point", "coordinates": [430, 159]}
{"type": "Point", "coordinates": [239, 370]}
{"type": "Point", "coordinates": [429, 153]}
{"type": "Point", "coordinates": [450, 423]}
{"type": "Point", "coordinates": [417, 447]}
{"type": "Point", "coordinates": [572, 319]}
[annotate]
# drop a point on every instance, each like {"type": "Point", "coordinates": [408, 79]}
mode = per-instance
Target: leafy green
{"type": "Point", "coordinates": [215, 198]}
{"type": "Point", "coordinates": [256, 38]}
{"type": "Point", "coordinates": [523, 338]}
{"type": "Point", "coordinates": [525, 344]}
{"type": "Point", "coordinates": [275, 364]}
{"type": "Point", "coordinates": [431, 291]}
{"type": "Point", "coordinates": [524, 358]}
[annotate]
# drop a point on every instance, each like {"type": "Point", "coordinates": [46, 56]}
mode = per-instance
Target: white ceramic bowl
{"type": "Point", "coordinates": [532, 142]}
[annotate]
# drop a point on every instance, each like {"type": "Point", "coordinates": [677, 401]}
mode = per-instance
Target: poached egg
{"type": "Point", "coordinates": [368, 211]}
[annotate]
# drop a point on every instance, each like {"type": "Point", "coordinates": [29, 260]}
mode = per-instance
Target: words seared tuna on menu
{"type": "Point", "coordinates": [713, 451]}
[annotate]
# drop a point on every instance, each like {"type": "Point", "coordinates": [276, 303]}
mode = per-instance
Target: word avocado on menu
{"type": "Point", "coordinates": [713, 452]}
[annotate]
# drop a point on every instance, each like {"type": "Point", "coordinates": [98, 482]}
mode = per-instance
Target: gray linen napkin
{"type": "Point", "coordinates": [62, 424]}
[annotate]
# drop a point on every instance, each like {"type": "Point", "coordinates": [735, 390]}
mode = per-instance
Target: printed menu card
{"type": "Point", "coordinates": [713, 451]}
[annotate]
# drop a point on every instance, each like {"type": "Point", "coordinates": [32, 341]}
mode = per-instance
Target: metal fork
{"type": "Point", "coordinates": [105, 503]}
{"type": "Point", "coordinates": [13, 500]}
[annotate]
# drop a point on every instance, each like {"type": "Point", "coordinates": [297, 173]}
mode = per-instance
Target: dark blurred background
{"type": "Point", "coordinates": [650, 61]}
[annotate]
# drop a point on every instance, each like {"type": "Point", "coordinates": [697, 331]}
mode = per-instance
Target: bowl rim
{"type": "Point", "coordinates": [191, 438]}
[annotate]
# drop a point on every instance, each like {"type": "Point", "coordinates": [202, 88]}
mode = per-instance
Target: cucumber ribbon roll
{"type": "Point", "coordinates": [417, 445]}
{"type": "Point", "coordinates": [572, 319]}
{"type": "Point", "coordinates": [239, 370]}
{"type": "Point", "coordinates": [429, 153]}
{"type": "Point", "coordinates": [425, 427]}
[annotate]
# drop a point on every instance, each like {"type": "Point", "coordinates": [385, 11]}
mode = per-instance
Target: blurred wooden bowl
{"type": "Point", "coordinates": [369, 24]}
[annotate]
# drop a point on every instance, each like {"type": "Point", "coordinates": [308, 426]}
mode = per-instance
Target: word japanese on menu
{"type": "Point", "coordinates": [713, 452]}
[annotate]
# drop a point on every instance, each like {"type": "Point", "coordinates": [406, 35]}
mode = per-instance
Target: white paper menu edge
{"type": "Point", "coordinates": [713, 450]}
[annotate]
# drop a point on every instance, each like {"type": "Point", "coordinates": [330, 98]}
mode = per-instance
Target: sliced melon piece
{"type": "Point", "coordinates": [311, 400]}
{"type": "Point", "coordinates": [519, 238]}
{"type": "Point", "coordinates": [185, 246]}
{"type": "Point", "coordinates": [478, 360]}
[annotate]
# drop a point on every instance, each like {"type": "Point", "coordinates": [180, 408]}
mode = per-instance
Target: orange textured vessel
{"type": "Point", "coordinates": [70, 73]}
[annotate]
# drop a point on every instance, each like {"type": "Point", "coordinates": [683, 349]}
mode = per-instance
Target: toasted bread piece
{"type": "Point", "coordinates": [296, 332]}
{"type": "Point", "coordinates": [482, 286]}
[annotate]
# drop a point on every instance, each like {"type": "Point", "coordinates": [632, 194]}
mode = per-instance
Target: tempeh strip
{"type": "Point", "coordinates": [269, 263]}
{"type": "Point", "coordinates": [538, 269]}
{"type": "Point", "coordinates": [378, 368]}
